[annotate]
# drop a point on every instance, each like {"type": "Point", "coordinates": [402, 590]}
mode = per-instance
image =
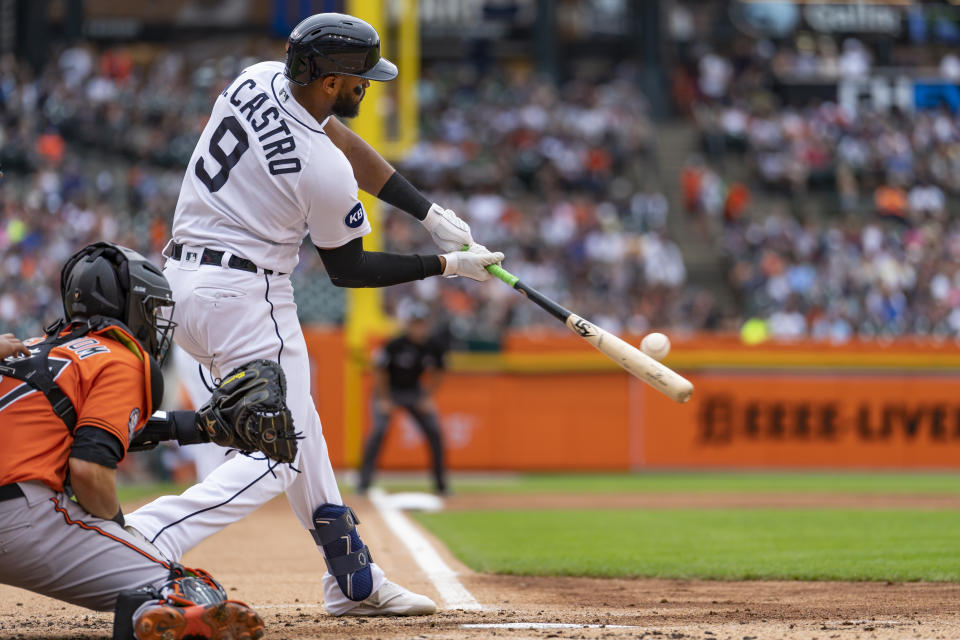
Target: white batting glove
{"type": "Point", "coordinates": [471, 264]}
{"type": "Point", "coordinates": [448, 231]}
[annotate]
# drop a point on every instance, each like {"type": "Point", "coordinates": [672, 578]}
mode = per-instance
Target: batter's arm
{"type": "Point", "coordinates": [369, 167]}
{"type": "Point", "coordinates": [375, 175]}
{"type": "Point", "coordinates": [350, 266]}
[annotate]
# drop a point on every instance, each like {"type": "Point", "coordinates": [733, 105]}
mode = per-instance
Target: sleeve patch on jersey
{"type": "Point", "coordinates": [356, 216]}
{"type": "Point", "coordinates": [132, 421]}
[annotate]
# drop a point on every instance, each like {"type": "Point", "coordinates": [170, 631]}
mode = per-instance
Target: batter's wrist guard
{"type": "Point", "coordinates": [348, 559]}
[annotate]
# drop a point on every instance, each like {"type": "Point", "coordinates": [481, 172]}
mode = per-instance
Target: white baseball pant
{"type": "Point", "coordinates": [227, 317]}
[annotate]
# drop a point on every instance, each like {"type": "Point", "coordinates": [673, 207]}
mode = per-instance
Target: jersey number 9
{"type": "Point", "coordinates": [227, 161]}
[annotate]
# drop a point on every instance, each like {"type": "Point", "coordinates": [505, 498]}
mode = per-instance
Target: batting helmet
{"type": "Point", "coordinates": [105, 279]}
{"type": "Point", "coordinates": [328, 43]}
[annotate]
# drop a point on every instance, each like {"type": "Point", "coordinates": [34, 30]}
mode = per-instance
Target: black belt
{"type": "Point", "coordinates": [10, 491]}
{"type": "Point", "coordinates": [212, 256]}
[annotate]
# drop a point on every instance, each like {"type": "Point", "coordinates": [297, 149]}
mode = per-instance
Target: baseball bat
{"type": "Point", "coordinates": [654, 373]}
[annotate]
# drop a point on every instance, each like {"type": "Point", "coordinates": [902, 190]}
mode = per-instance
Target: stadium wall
{"type": "Point", "coordinates": [547, 402]}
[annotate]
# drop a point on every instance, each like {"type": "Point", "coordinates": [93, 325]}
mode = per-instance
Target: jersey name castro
{"type": "Point", "coordinates": [264, 175]}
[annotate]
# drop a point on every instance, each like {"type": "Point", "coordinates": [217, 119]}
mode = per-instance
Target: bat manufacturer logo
{"type": "Point", "coordinates": [584, 328]}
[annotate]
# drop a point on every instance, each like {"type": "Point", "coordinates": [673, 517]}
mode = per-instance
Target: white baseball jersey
{"type": "Point", "coordinates": [263, 175]}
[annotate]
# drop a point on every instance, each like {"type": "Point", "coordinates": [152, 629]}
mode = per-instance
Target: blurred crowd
{"type": "Point", "coordinates": [855, 234]}
{"type": "Point", "coordinates": [563, 179]}
{"type": "Point", "coordinates": [94, 147]}
{"type": "Point", "coordinates": [559, 179]}
{"type": "Point", "coordinates": [832, 281]}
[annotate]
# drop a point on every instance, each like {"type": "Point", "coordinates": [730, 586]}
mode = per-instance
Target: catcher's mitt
{"type": "Point", "coordinates": [248, 411]}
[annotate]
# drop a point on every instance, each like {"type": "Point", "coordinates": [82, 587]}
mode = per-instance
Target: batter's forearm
{"type": "Point", "coordinates": [351, 266]}
{"type": "Point", "coordinates": [404, 196]}
{"type": "Point", "coordinates": [370, 168]}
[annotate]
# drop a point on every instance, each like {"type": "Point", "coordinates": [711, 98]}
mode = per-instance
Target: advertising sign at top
{"type": "Point", "coordinates": [780, 19]}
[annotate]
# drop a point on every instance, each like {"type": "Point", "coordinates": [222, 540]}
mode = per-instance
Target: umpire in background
{"type": "Point", "coordinates": [400, 368]}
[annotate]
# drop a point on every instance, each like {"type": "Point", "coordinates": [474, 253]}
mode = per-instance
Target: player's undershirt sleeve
{"type": "Point", "coordinates": [351, 266]}
{"type": "Point", "coordinates": [398, 192]}
{"type": "Point", "coordinates": [97, 446]}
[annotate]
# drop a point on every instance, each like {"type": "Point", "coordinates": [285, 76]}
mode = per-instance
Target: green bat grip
{"type": "Point", "coordinates": [499, 272]}
{"type": "Point", "coordinates": [503, 274]}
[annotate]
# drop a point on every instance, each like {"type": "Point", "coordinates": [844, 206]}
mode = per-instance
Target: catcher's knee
{"type": "Point", "coordinates": [348, 559]}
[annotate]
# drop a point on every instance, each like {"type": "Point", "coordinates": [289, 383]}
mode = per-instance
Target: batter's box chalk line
{"type": "Point", "coordinates": [545, 625]}
{"type": "Point", "coordinates": [444, 579]}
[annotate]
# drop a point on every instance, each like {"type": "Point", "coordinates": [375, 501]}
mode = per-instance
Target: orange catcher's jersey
{"type": "Point", "coordinates": [106, 374]}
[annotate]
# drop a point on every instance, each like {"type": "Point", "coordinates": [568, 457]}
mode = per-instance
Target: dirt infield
{"type": "Point", "coordinates": [269, 562]}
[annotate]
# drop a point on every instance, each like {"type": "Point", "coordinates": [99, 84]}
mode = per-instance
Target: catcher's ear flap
{"type": "Point", "coordinates": [156, 384]}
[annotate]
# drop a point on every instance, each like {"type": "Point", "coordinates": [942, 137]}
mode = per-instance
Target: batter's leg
{"type": "Point", "coordinates": [193, 376]}
{"type": "Point", "coordinates": [226, 318]}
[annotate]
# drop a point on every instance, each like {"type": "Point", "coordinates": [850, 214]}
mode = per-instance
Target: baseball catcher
{"type": "Point", "coordinates": [71, 403]}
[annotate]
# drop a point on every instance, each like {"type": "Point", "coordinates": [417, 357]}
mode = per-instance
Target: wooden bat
{"type": "Point", "coordinates": [657, 375]}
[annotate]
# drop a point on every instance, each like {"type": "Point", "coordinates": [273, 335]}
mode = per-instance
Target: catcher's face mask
{"type": "Point", "coordinates": [105, 279]}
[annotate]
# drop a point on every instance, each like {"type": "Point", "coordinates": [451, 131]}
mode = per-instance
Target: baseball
{"type": "Point", "coordinates": [655, 345]}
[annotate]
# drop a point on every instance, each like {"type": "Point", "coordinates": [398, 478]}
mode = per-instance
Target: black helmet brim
{"type": "Point", "coordinates": [381, 72]}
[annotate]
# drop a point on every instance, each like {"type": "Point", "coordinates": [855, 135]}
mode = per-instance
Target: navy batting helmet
{"type": "Point", "coordinates": [328, 43]}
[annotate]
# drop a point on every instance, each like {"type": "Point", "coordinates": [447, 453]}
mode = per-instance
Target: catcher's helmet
{"type": "Point", "coordinates": [328, 43]}
{"type": "Point", "coordinates": [105, 279]}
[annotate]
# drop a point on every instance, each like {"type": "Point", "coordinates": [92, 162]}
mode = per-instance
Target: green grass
{"type": "Point", "coordinates": [137, 492]}
{"type": "Point", "coordinates": [735, 544]}
{"type": "Point", "coordinates": [701, 482]}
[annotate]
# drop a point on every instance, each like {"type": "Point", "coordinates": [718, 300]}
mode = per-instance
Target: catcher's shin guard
{"type": "Point", "coordinates": [348, 559]}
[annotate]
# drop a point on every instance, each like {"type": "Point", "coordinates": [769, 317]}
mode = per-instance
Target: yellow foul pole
{"type": "Point", "coordinates": [364, 313]}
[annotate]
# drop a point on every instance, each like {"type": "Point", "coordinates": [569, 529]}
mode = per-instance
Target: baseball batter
{"type": "Point", "coordinates": [272, 166]}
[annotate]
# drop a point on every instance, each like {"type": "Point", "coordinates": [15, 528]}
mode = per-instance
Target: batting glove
{"type": "Point", "coordinates": [448, 231]}
{"type": "Point", "coordinates": [471, 264]}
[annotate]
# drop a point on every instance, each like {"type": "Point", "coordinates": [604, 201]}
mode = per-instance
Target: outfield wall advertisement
{"type": "Point", "coordinates": [772, 419]}
{"type": "Point", "coordinates": [548, 401]}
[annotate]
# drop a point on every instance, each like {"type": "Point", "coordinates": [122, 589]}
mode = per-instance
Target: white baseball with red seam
{"type": "Point", "coordinates": [655, 345]}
